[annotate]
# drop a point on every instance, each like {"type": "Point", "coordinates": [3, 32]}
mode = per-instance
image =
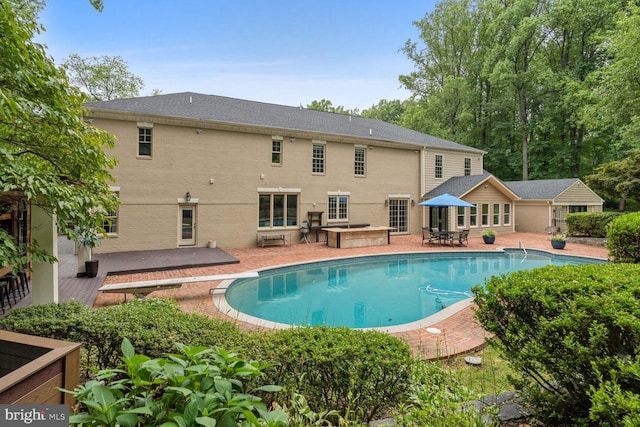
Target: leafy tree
{"type": "Point", "coordinates": [49, 156]}
{"type": "Point", "coordinates": [387, 111]}
{"type": "Point", "coordinates": [103, 78]}
{"type": "Point", "coordinates": [618, 179]}
{"type": "Point", "coordinates": [444, 64]}
{"type": "Point", "coordinates": [616, 91]}
{"type": "Point", "coordinates": [327, 106]}
{"type": "Point", "coordinates": [517, 78]}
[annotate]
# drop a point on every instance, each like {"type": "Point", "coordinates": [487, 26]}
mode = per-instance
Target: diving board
{"type": "Point", "coordinates": [144, 288]}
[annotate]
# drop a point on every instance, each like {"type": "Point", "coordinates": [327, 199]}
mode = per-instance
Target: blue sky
{"type": "Point", "coordinates": [282, 52]}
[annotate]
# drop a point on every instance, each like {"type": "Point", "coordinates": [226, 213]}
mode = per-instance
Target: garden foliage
{"type": "Point", "coordinates": [358, 373]}
{"type": "Point", "coordinates": [589, 224]}
{"type": "Point", "coordinates": [623, 238]}
{"type": "Point", "coordinates": [437, 398]}
{"type": "Point", "coordinates": [573, 332]}
{"type": "Point", "coordinates": [198, 386]}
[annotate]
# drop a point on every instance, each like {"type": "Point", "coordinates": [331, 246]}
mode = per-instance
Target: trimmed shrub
{"type": "Point", "coordinates": [567, 330]}
{"type": "Point", "coordinates": [623, 238]}
{"type": "Point", "coordinates": [589, 224]}
{"type": "Point", "coordinates": [152, 325]}
{"type": "Point", "coordinates": [358, 373]}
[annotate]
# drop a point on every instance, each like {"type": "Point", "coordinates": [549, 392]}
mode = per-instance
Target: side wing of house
{"type": "Point", "coordinates": [578, 197]}
{"type": "Point", "coordinates": [544, 203]}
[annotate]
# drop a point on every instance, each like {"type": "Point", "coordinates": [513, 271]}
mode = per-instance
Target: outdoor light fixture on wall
{"type": "Point", "coordinates": [386, 202]}
{"type": "Point", "coordinates": [187, 197]}
{"type": "Point", "coordinates": [413, 202]}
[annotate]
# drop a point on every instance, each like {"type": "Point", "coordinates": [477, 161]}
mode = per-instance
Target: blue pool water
{"type": "Point", "coordinates": [376, 291]}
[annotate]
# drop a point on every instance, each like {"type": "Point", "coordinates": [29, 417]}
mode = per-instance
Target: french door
{"type": "Point", "coordinates": [399, 215]}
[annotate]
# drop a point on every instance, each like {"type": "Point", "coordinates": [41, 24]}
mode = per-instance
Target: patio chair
{"type": "Point", "coordinates": [430, 235]}
{"type": "Point", "coordinates": [304, 230]}
{"type": "Point", "coordinates": [463, 237]}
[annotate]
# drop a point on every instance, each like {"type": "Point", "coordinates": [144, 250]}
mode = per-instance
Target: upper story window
{"type": "Point", "coordinates": [338, 207]}
{"type": "Point", "coordinates": [276, 151]}
{"type": "Point", "coordinates": [318, 158]}
{"type": "Point", "coordinates": [438, 166]}
{"type": "Point", "coordinates": [145, 141]}
{"type": "Point", "coordinates": [467, 166]}
{"type": "Point", "coordinates": [360, 161]}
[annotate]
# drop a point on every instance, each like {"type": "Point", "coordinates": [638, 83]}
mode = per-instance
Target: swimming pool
{"type": "Point", "coordinates": [379, 291]}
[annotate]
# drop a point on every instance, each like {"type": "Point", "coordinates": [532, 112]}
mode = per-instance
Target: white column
{"type": "Point", "coordinates": [44, 279]}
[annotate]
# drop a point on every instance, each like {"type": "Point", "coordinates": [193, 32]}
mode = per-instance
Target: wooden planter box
{"type": "Point", "coordinates": [31, 369]}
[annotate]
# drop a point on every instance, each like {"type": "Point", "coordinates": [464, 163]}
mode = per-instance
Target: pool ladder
{"type": "Point", "coordinates": [524, 250]}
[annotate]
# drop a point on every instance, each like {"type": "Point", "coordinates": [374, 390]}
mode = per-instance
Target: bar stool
{"type": "Point", "coordinates": [23, 282]}
{"type": "Point", "coordinates": [5, 285]}
{"type": "Point", "coordinates": [13, 286]}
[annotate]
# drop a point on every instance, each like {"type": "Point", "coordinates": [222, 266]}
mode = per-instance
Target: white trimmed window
{"type": "Point", "coordinates": [461, 216]}
{"type": "Point", "coordinates": [145, 139]}
{"type": "Point", "coordinates": [360, 161]}
{"type": "Point", "coordinates": [278, 209]}
{"type": "Point", "coordinates": [467, 166]}
{"type": "Point", "coordinates": [438, 166]}
{"type": "Point", "coordinates": [338, 207]}
{"type": "Point", "coordinates": [318, 158]}
{"type": "Point", "coordinates": [507, 214]}
{"type": "Point", "coordinates": [473, 216]}
{"type": "Point", "coordinates": [110, 225]}
{"type": "Point", "coordinates": [496, 214]}
{"type": "Point", "coordinates": [276, 151]}
{"type": "Point", "coordinates": [485, 214]}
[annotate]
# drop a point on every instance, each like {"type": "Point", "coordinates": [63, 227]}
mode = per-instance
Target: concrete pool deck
{"type": "Point", "coordinates": [458, 333]}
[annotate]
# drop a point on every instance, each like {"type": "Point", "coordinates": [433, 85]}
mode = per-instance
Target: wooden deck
{"type": "Point", "coordinates": [85, 290]}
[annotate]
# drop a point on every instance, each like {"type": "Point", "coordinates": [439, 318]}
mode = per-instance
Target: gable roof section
{"type": "Point", "coordinates": [460, 186]}
{"type": "Point", "coordinates": [220, 109]}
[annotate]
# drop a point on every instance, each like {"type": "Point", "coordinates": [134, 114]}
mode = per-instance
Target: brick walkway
{"type": "Point", "coordinates": [459, 333]}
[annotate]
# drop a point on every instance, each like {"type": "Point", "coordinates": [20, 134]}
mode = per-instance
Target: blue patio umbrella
{"type": "Point", "coordinates": [445, 200]}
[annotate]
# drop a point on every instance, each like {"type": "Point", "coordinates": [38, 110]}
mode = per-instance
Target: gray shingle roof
{"type": "Point", "coordinates": [222, 109]}
{"type": "Point", "coordinates": [543, 189]}
{"type": "Point", "coordinates": [458, 185]}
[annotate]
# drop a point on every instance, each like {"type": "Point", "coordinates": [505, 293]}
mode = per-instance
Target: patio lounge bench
{"type": "Point", "coordinates": [268, 238]}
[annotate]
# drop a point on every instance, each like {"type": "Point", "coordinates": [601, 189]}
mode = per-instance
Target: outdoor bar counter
{"type": "Point", "coordinates": [374, 235]}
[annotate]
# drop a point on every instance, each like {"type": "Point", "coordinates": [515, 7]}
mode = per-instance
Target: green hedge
{"type": "Point", "coordinates": [623, 238]}
{"type": "Point", "coordinates": [359, 374]}
{"type": "Point", "coordinates": [152, 325]}
{"type": "Point", "coordinates": [589, 224]}
{"type": "Point", "coordinates": [574, 333]}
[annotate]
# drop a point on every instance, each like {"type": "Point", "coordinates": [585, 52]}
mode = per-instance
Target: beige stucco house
{"type": "Point", "coordinates": [196, 170]}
